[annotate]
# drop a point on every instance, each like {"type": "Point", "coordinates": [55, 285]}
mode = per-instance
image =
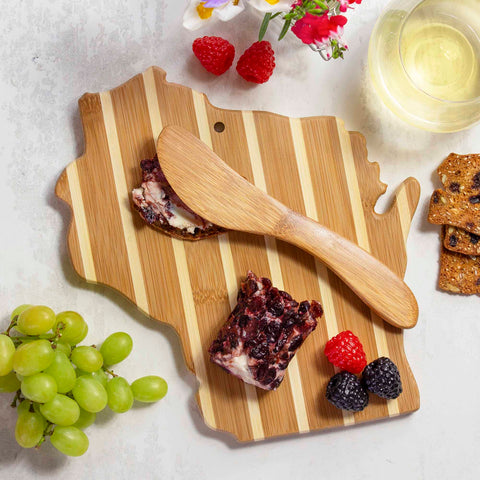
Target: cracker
{"type": "Point", "coordinates": [457, 240]}
{"type": "Point", "coordinates": [459, 273]}
{"type": "Point", "coordinates": [459, 204]}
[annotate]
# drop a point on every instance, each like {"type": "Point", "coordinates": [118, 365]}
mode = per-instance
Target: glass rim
{"type": "Point", "coordinates": [472, 100]}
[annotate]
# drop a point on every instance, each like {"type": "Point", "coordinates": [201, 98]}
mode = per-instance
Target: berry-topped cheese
{"type": "Point", "coordinates": [161, 207]}
{"type": "Point", "coordinates": [263, 333]}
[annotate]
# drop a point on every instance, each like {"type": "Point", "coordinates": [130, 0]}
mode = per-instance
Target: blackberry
{"type": "Point", "coordinates": [345, 391]}
{"type": "Point", "coordinates": [382, 378]}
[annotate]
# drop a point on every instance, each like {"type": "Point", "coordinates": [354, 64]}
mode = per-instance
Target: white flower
{"type": "Point", "coordinates": [196, 15]}
{"type": "Point", "coordinates": [272, 5]}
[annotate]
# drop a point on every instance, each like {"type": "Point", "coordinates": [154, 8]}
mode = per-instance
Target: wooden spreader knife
{"type": "Point", "coordinates": [220, 195]}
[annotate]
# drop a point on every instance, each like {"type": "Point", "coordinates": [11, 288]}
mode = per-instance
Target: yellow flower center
{"type": "Point", "coordinates": [204, 13]}
{"type": "Point", "coordinates": [272, 2]}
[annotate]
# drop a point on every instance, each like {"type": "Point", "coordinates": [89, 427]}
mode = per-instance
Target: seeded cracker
{"type": "Point", "coordinates": [461, 241]}
{"type": "Point", "coordinates": [459, 273]}
{"type": "Point", "coordinates": [459, 204]}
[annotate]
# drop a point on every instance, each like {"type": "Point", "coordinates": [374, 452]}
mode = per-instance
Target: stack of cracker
{"type": "Point", "coordinates": [457, 208]}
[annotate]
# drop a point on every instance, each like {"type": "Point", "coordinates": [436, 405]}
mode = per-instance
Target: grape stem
{"type": "Point", "coordinates": [46, 433]}
{"type": "Point", "coordinates": [57, 335]}
{"type": "Point", "coordinates": [110, 372]}
{"type": "Point", "coordinates": [39, 444]}
{"type": "Point", "coordinates": [17, 341]}
{"type": "Point", "coordinates": [49, 429]}
{"type": "Point", "coordinates": [18, 396]}
{"type": "Point", "coordinates": [12, 324]}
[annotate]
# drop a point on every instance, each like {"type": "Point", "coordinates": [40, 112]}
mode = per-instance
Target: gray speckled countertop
{"type": "Point", "coordinates": [51, 53]}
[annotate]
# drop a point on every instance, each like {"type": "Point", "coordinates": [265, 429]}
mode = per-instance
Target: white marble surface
{"type": "Point", "coordinates": [52, 51]}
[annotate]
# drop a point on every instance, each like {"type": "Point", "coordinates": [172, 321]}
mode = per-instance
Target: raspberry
{"type": "Point", "coordinates": [257, 62]}
{"type": "Point", "coordinates": [382, 378]}
{"type": "Point", "coordinates": [346, 352]}
{"type": "Point", "coordinates": [345, 391]}
{"type": "Point", "coordinates": [215, 54]}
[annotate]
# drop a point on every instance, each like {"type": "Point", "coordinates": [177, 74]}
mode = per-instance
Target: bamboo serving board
{"type": "Point", "coordinates": [314, 166]}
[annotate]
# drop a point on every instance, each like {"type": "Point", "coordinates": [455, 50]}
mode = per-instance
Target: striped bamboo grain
{"type": "Point", "coordinates": [314, 166]}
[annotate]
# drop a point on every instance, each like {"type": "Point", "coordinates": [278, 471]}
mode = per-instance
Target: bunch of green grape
{"type": "Point", "coordinates": [60, 386]}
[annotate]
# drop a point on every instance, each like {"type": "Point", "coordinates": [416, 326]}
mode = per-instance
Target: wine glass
{"type": "Point", "coordinates": [424, 60]}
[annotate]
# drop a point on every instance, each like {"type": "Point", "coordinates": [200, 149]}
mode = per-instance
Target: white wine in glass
{"type": "Point", "coordinates": [424, 59]}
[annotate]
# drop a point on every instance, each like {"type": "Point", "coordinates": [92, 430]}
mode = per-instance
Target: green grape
{"type": "Point", "coordinates": [33, 357]}
{"type": "Point", "coordinates": [36, 407]}
{"type": "Point", "coordinates": [62, 410]}
{"type": "Point", "coordinates": [29, 429]}
{"type": "Point", "coordinates": [70, 441]}
{"type": "Point", "coordinates": [64, 347]}
{"type": "Point", "coordinates": [88, 359]}
{"type": "Point", "coordinates": [63, 372]}
{"type": "Point", "coordinates": [40, 387]}
{"type": "Point", "coordinates": [120, 395]}
{"type": "Point", "coordinates": [20, 377]}
{"type": "Point", "coordinates": [90, 394]}
{"type": "Point", "coordinates": [23, 406]}
{"type": "Point", "coordinates": [9, 383]}
{"type": "Point", "coordinates": [7, 350]}
{"type": "Point", "coordinates": [19, 310]}
{"type": "Point", "coordinates": [85, 419]}
{"type": "Point", "coordinates": [99, 376]}
{"type": "Point", "coordinates": [75, 329]}
{"type": "Point", "coordinates": [149, 389]}
{"type": "Point", "coordinates": [116, 348]}
{"type": "Point", "coordinates": [36, 320]}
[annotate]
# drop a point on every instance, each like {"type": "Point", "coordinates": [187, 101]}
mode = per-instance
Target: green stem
{"type": "Point", "coordinates": [39, 444]}
{"type": "Point", "coordinates": [20, 339]}
{"type": "Point", "coordinates": [46, 433]}
{"type": "Point", "coordinates": [13, 323]}
{"type": "Point", "coordinates": [110, 372]}
{"type": "Point", "coordinates": [49, 429]}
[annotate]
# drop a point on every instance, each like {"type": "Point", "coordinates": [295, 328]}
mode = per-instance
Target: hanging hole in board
{"type": "Point", "coordinates": [219, 127]}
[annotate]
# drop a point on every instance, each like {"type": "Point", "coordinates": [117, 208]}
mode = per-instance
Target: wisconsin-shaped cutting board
{"type": "Point", "coordinates": [312, 165]}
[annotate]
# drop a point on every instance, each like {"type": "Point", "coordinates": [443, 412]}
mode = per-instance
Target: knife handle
{"type": "Point", "coordinates": [380, 288]}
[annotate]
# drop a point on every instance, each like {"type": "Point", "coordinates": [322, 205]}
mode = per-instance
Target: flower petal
{"type": "Point", "coordinates": [192, 19]}
{"type": "Point", "coordinates": [216, 3]}
{"type": "Point", "coordinates": [271, 5]}
{"type": "Point", "coordinates": [229, 11]}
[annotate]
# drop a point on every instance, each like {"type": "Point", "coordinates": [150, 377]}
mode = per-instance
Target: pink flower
{"type": "Point", "coordinates": [319, 30]}
{"type": "Point", "coordinates": [344, 4]}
